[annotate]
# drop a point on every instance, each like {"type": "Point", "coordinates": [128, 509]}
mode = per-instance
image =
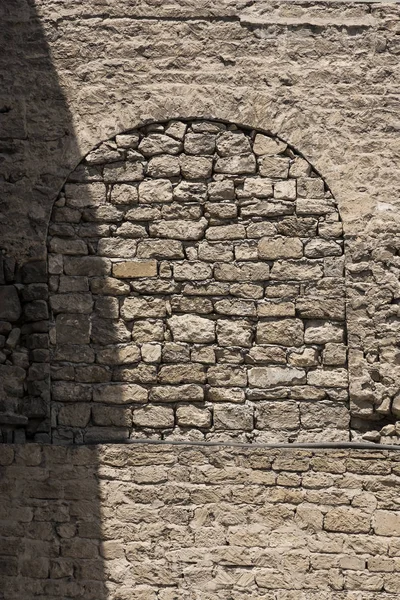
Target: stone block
{"type": "Point", "coordinates": [235, 307]}
{"type": "Point", "coordinates": [75, 353]}
{"type": "Point", "coordinates": [108, 286]}
{"type": "Point", "coordinates": [143, 213]}
{"type": "Point", "coordinates": [191, 328]}
{"type": "Point", "coordinates": [307, 357]}
{"type": "Point", "coordinates": [71, 303]}
{"type": "Point", "coordinates": [131, 269]}
{"type": "Point", "coordinates": [267, 208]}
{"type": "Point", "coordinates": [264, 144]}
{"type": "Point", "coordinates": [151, 353]}
{"type": "Point", "coordinates": [127, 140]}
{"type": "Point", "coordinates": [242, 164]}
{"type": "Point", "coordinates": [179, 229]}
{"type": "Point", "coordinates": [310, 187]}
{"type": "Point", "coordinates": [299, 167]}
{"type": "Point", "coordinates": [181, 211]}
{"type": "Point", "coordinates": [67, 246]}
{"type": "Point", "coordinates": [191, 304]}
{"type": "Point", "coordinates": [280, 247]}
{"type": "Point", "coordinates": [140, 373]}
{"type": "Point", "coordinates": [145, 306]}
{"type": "Point", "coordinates": [254, 271]}
{"type": "Point", "coordinates": [275, 309]}
{"type": "Point", "coordinates": [328, 378]}
{"type": "Point", "coordinates": [92, 374]}
{"type": "Point", "coordinates": [73, 284]}
{"type": "Point", "coordinates": [119, 354]}
{"type": "Point", "coordinates": [123, 172]}
{"type": "Point", "coordinates": [285, 190]}
{"type": "Point", "coordinates": [109, 331]}
{"type": "Point", "coordinates": [262, 229]}
{"type": "Point", "coordinates": [120, 393]}
{"type": "Point", "coordinates": [234, 333]}
{"type": "Point", "coordinates": [230, 143]}
{"type": "Point", "coordinates": [10, 307]}
{"type": "Point", "coordinates": [164, 165]}
{"type": "Point", "coordinates": [387, 523]}
{"type": "Point", "coordinates": [233, 416]}
{"type": "Point", "coordinates": [164, 249]}
{"type": "Point", "coordinates": [297, 227]}
{"type": "Point", "coordinates": [155, 191]}
{"type": "Point", "coordinates": [275, 376]}
{"type": "Point", "coordinates": [72, 329]}
{"type": "Point", "coordinates": [298, 270]}
{"type": "Point", "coordinates": [114, 416]}
{"type": "Point", "coordinates": [154, 417]}
{"type": "Point", "coordinates": [334, 354]}
{"type": "Point", "coordinates": [220, 210]}
{"type": "Point", "coordinates": [222, 375]}
{"type": "Point", "coordinates": [323, 332]}
{"type": "Point", "coordinates": [193, 416]}
{"type": "Point", "coordinates": [274, 166]}
{"type": "Point", "coordinates": [158, 143]}
{"type": "Point", "coordinates": [87, 266]}
{"type": "Point", "coordinates": [190, 191]}
{"type": "Point", "coordinates": [284, 332]}
{"type": "Point", "coordinates": [314, 206]}
{"type": "Point", "coordinates": [196, 167]}
{"type": "Point", "coordinates": [318, 308]}
{"type": "Point", "coordinates": [177, 393]}
{"type": "Point", "coordinates": [221, 190]}
{"type": "Point", "coordinates": [83, 195]}
{"type": "Point", "coordinates": [199, 143]}
{"type": "Point", "coordinates": [62, 391]}
{"type": "Point", "coordinates": [266, 354]}
{"type": "Point", "coordinates": [226, 232]}
{"type": "Point", "coordinates": [74, 415]}
{"type": "Point", "coordinates": [347, 520]}
{"type": "Point", "coordinates": [258, 187]}
{"type": "Point", "coordinates": [318, 248]}
{"type": "Point", "coordinates": [117, 247]}
{"type": "Point", "coordinates": [130, 230]}
{"type": "Point", "coordinates": [176, 129]}
{"type": "Point", "coordinates": [215, 251]}
{"type": "Point", "coordinates": [321, 416]}
{"type": "Point", "coordinates": [175, 353]}
{"type": "Point", "coordinates": [279, 416]}
{"type": "Point", "coordinates": [182, 373]}
{"type": "Point", "coordinates": [148, 331]}
{"type": "Point", "coordinates": [232, 394]}
{"type": "Point", "coordinates": [246, 290]}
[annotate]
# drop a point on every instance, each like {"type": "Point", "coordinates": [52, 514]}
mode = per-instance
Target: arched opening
{"type": "Point", "coordinates": [197, 291]}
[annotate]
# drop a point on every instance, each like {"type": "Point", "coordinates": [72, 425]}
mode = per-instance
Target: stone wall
{"type": "Point", "coordinates": [166, 522]}
{"type": "Point", "coordinates": [197, 286]}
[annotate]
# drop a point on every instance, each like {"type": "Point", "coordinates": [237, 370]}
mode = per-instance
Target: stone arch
{"type": "Point", "coordinates": [197, 291]}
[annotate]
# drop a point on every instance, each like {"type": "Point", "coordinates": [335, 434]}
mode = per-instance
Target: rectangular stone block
{"type": "Point", "coordinates": [87, 266]}
{"type": "Point", "coordinates": [275, 376]}
{"type": "Point", "coordinates": [145, 306]}
{"type": "Point", "coordinates": [177, 393]}
{"type": "Point", "coordinates": [120, 393]}
{"type": "Point", "coordinates": [131, 269]}
{"type": "Point", "coordinates": [72, 329]}
{"type": "Point", "coordinates": [117, 247]}
{"type": "Point", "coordinates": [164, 249]}
{"type": "Point", "coordinates": [254, 271]}
{"type": "Point", "coordinates": [233, 416]}
{"type": "Point", "coordinates": [284, 332]}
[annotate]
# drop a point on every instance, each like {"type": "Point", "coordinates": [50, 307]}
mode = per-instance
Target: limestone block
{"type": "Point", "coordinates": [177, 393]}
{"type": "Point", "coordinates": [123, 172]}
{"type": "Point", "coordinates": [321, 415]}
{"type": "Point", "coordinates": [192, 304]}
{"type": "Point", "coordinates": [226, 232]}
{"type": "Point", "coordinates": [145, 306]}
{"type": "Point", "coordinates": [234, 307]}
{"type": "Point", "coordinates": [127, 140]}
{"type": "Point", "coordinates": [199, 143]}
{"type": "Point", "coordinates": [109, 331]}
{"type": "Point", "coordinates": [271, 208]}
{"type": "Point", "coordinates": [190, 191]}
{"type": "Point", "coordinates": [317, 308]}
{"type": "Point", "coordinates": [10, 307]}
{"type": "Point", "coordinates": [132, 269]}
{"type": "Point", "coordinates": [176, 129]}
{"type": "Point", "coordinates": [233, 416]}
{"type": "Point", "coordinates": [220, 210]}
{"type": "Point", "coordinates": [334, 354]}
{"type": "Point", "coordinates": [264, 144]}
{"type": "Point", "coordinates": [318, 248]}
{"type": "Point", "coordinates": [275, 309]}
{"type": "Point", "coordinates": [179, 229]}
{"type": "Point", "coordinates": [242, 164]}
{"type": "Point", "coordinates": [246, 290]}
{"type": "Point", "coordinates": [323, 332]}
{"type": "Point", "coordinates": [274, 166]}
{"type": "Point", "coordinates": [111, 416]}
{"type": "Point", "coordinates": [297, 227]}
{"type": "Point", "coordinates": [203, 354]}
{"type": "Point", "coordinates": [63, 391]}
{"type": "Point", "coordinates": [67, 246]}
{"type": "Point", "coordinates": [109, 286]}
{"type": "Point", "coordinates": [314, 206]}
{"type": "Point", "coordinates": [72, 303]}
{"type": "Point", "coordinates": [386, 522]}
{"type": "Point", "coordinates": [120, 393]}
{"type": "Point", "coordinates": [310, 187]}
{"type": "Point", "coordinates": [262, 229]}
{"type": "Point", "coordinates": [271, 376]}
{"type": "Point", "coordinates": [234, 333]}
{"type": "Point", "coordinates": [157, 417]}
{"type": "Point", "coordinates": [92, 374]}
{"type": "Point", "coordinates": [107, 307]}
{"type": "Point", "coordinates": [74, 415]}
{"type": "Point", "coordinates": [266, 354]}
{"type": "Point", "coordinates": [164, 165]}
{"type": "Point", "coordinates": [83, 195]}
{"type": "Point", "coordinates": [220, 394]}
{"type": "Point", "coordinates": [299, 167]}
{"type": "Point", "coordinates": [87, 266]}
{"type": "Point", "coordinates": [72, 329]}
{"type": "Point", "coordinates": [160, 249]}
{"type": "Point", "coordinates": [183, 211]}
{"type": "Point", "coordinates": [118, 354]}
{"type": "Point", "coordinates": [73, 284]}
{"type": "Point", "coordinates": [206, 289]}
{"type": "Point", "coordinates": [193, 416]}
{"type": "Point", "coordinates": [285, 190]}
{"type": "Point", "coordinates": [221, 190]}
{"type": "Point", "coordinates": [191, 328]}
{"type": "Point", "coordinates": [330, 230]}
{"type": "Point", "coordinates": [347, 520]}
{"type": "Point", "coordinates": [280, 416]}
{"type": "Point", "coordinates": [105, 153]}
{"type": "Point", "coordinates": [158, 190]}
{"type": "Point", "coordinates": [196, 167]}
{"type": "Point", "coordinates": [285, 332]}
{"type": "Point", "coordinates": [151, 353]}
{"type": "Point", "coordinates": [143, 213]}
{"type": "Point", "coordinates": [158, 143]}
{"type": "Point", "coordinates": [222, 375]}
{"type": "Point", "coordinates": [328, 378]}
{"type": "Point", "coordinates": [74, 353]}
{"type": "Point", "coordinates": [140, 373]}
{"type": "Point", "coordinates": [230, 143]}
{"type": "Point", "coordinates": [192, 271]}
{"type": "Point", "coordinates": [307, 357]}
{"type": "Point", "coordinates": [255, 271]}
{"type": "Point", "coordinates": [280, 247]}
{"type": "Point", "coordinates": [258, 187]}
{"type": "Point", "coordinates": [299, 270]}
{"type": "Point", "coordinates": [148, 331]}
{"type": "Point", "coordinates": [105, 435]}
{"type": "Point", "coordinates": [215, 251]}
{"type": "Point", "coordinates": [182, 373]}
{"type": "Point", "coordinates": [130, 230]}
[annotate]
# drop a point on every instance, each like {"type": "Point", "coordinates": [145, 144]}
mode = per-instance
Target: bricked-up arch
{"type": "Point", "coordinates": [197, 290]}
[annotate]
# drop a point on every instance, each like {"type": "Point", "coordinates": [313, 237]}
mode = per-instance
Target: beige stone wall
{"type": "Point", "coordinates": [168, 522]}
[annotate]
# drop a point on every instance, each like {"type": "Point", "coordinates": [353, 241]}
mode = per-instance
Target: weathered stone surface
{"type": "Point", "coordinates": [130, 269]}
{"type": "Point", "coordinates": [226, 232]}
{"type": "Point", "coordinates": [236, 165]}
{"type": "Point", "coordinates": [179, 229]}
{"type": "Point", "coordinates": [196, 167]}
{"type": "Point", "coordinates": [87, 266]}
{"type": "Point", "coordinates": [118, 354]}
{"type": "Point", "coordinates": [120, 393]}
{"type": "Point", "coordinates": [278, 416]}
{"type": "Point", "coordinates": [71, 303]}
{"type": "Point", "coordinates": [67, 246]}
{"type": "Point", "coordinates": [322, 332]}
{"type": "Point", "coordinates": [10, 307]}
{"type": "Point", "coordinates": [258, 187]}
{"type": "Point", "coordinates": [190, 328]}
{"type": "Point", "coordinates": [133, 308]}
{"type": "Point", "coordinates": [156, 143]}
{"type": "Point", "coordinates": [255, 271]}
{"type": "Point", "coordinates": [239, 417]}
{"type": "Point", "coordinates": [279, 247]}
{"type": "Point", "coordinates": [164, 166]}
{"type": "Point", "coordinates": [267, 145]}
{"type": "Point", "coordinates": [284, 332]}
{"type": "Point", "coordinates": [159, 190]}
{"type": "Point", "coordinates": [159, 417]}
{"type": "Point", "coordinates": [221, 190]}
{"type": "Point", "coordinates": [109, 286]}
{"type": "Point", "coordinates": [271, 376]}
{"type": "Point", "coordinates": [177, 393]}
{"type": "Point", "coordinates": [72, 329]}
{"type": "Point", "coordinates": [296, 270]}
{"type": "Point", "coordinates": [160, 249]}
{"type": "Point", "coordinates": [107, 331]}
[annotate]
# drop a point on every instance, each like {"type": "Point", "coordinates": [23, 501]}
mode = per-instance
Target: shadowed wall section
{"type": "Point", "coordinates": [197, 289]}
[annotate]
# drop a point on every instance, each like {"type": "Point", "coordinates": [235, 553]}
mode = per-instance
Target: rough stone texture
{"type": "Point", "coordinates": [187, 314]}
{"type": "Point", "coordinates": [145, 522]}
